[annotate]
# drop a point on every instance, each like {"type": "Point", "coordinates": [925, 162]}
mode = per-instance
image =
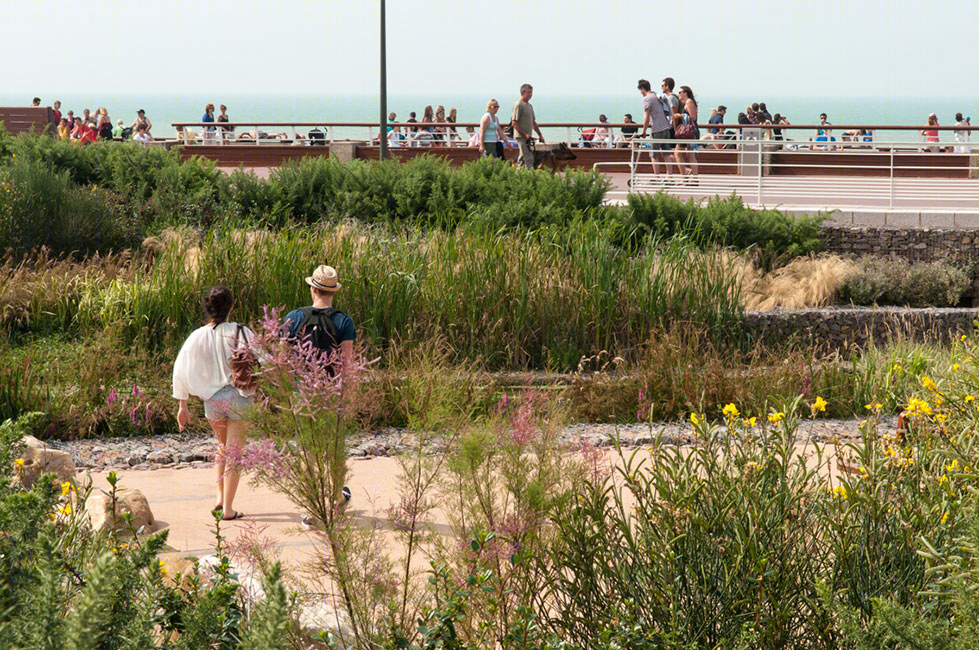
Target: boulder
{"type": "Point", "coordinates": [177, 566]}
{"type": "Point", "coordinates": [101, 516]}
{"type": "Point", "coordinates": [39, 459]}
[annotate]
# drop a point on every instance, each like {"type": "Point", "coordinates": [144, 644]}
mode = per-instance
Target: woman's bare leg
{"type": "Point", "coordinates": [220, 428]}
{"type": "Point", "coordinates": [235, 440]}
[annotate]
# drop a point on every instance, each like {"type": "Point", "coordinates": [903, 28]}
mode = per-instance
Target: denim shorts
{"type": "Point", "coordinates": [228, 404]}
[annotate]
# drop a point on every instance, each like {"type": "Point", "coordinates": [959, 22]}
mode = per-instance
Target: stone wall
{"type": "Point", "coordinates": [835, 328]}
{"type": "Point", "coordinates": [909, 244]}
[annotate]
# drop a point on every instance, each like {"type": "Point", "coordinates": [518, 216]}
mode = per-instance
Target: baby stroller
{"type": "Point", "coordinates": [586, 137]}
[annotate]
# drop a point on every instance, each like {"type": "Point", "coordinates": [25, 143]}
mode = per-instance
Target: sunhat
{"type": "Point", "coordinates": [932, 115]}
{"type": "Point", "coordinates": [324, 278]}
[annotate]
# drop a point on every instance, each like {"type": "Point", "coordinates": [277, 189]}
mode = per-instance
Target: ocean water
{"type": "Point", "coordinates": [165, 109]}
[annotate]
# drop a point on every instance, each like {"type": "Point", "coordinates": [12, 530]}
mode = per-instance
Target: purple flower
{"type": "Point", "coordinates": [112, 398]}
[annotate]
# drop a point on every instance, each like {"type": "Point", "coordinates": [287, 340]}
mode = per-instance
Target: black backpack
{"type": "Point", "coordinates": [317, 325]}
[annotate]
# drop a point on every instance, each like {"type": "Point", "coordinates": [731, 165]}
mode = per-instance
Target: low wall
{"type": "Point", "coordinates": [909, 245]}
{"type": "Point", "coordinates": [837, 328]}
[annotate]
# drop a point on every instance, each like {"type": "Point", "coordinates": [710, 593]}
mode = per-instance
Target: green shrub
{"type": "Point", "coordinates": [892, 281]}
{"type": "Point", "coordinates": [774, 236]}
{"type": "Point", "coordinates": [43, 207]}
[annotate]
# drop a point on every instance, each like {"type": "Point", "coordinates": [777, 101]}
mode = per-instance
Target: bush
{"type": "Point", "coordinates": [42, 207]}
{"type": "Point", "coordinates": [774, 236]}
{"type": "Point", "coordinates": [890, 281]}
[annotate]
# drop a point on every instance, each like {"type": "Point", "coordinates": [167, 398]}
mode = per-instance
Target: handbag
{"type": "Point", "coordinates": [685, 131]}
{"type": "Point", "coordinates": [242, 363]}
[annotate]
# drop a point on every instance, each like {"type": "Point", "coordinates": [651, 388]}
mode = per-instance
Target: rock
{"type": "Point", "coordinates": [177, 565]}
{"type": "Point", "coordinates": [357, 451]}
{"type": "Point", "coordinates": [159, 457]}
{"type": "Point", "coordinates": [135, 460]}
{"type": "Point", "coordinates": [39, 459]}
{"type": "Point", "coordinates": [132, 502]}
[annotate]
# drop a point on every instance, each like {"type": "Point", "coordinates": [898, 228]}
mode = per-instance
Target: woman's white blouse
{"type": "Point", "coordinates": [203, 364]}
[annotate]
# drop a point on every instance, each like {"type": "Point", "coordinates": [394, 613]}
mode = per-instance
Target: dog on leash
{"type": "Point", "coordinates": [554, 159]}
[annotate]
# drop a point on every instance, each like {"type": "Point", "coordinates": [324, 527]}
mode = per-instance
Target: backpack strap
{"type": "Point", "coordinates": [307, 313]}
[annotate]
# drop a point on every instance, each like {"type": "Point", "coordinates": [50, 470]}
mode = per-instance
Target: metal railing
{"type": "Point", "coordinates": [846, 166]}
{"type": "Point", "coordinates": [863, 171]}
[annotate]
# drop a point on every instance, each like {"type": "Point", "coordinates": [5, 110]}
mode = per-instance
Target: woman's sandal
{"type": "Point", "coordinates": [238, 515]}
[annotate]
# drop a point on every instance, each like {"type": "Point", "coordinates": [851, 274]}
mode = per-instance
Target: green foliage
{"type": "Point", "coordinates": [891, 281]}
{"type": "Point", "coordinates": [773, 235]}
{"type": "Point", "coordinates": [43, 207]}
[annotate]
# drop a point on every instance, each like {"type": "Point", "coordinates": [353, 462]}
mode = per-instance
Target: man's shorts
{"type": "Point", "coordinates": [662, 135]}
{"type": "Point", "coordinates": [228, 404]}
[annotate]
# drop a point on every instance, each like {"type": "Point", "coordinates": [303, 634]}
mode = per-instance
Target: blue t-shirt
{"type": "Point", "coordinates": [344, 324]}
{"type": "Point", "coordinates": [716, 118]}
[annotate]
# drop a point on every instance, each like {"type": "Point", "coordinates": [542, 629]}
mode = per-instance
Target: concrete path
{"type": "Point", "coordinates": [181, 500]}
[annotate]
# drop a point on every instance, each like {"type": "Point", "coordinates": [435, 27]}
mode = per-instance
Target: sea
{"type": "Point", "coordinates": [164, 109]}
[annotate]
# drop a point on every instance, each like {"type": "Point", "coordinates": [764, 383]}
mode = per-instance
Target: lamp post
{"type": "Point", "coordinates": [383, 137]}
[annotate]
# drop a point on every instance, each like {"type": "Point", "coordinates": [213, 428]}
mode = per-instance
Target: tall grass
{"type": "Point", "coordinates": [519, 300]}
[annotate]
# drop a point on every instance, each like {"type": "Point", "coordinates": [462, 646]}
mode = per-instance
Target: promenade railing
{"type": "Point", "coordinates": [812, 165]}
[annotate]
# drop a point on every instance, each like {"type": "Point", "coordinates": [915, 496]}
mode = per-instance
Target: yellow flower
{"type": "Point", "coordinates": [940, 417]}
{"type": "Point", "coordinates": [750, 422]}
{"type": "Point", "coordinates": [775, 418]}
{"type": "Point", "coordinates": [955, 366]}
{"type": "Point", "coordinates": [819, 405]}
{"type": "Point", "coordinates": [163, 568]}
{"type": "Point", "coordinates": [918, 406]}
{"type": "Point", "coordinates": [927, 382]}
{"type": "Point", "coordinates": [862, 470]}
{"type": "Point", "coordinates": [840, 492]}
{"type": "Point", "coordinates": [19, 462]}
{"type": "Point", "coordinates": [963, 337]}
{"type": "Point", "coordinates": [730, 411]}
{"type": "Point", "coordinates": [896, 367]}
{"type": "Point", "coordinates": [969, 398]}
{"type": "Point", "coordinates": [65, 509]}
{"type": "Point", "coordinates": [943, 479]}
{"type": "Point", "coordinates": [945, 517]}
{"type": "Point", "coordinates": [694, 420]}
{"type": "Point", "coordinates": [953, 466]}
{"type": "Point", "coordinates": [66, 488]}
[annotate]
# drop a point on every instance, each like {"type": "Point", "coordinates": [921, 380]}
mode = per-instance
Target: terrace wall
{"type": "Point", "coordinates": [909, 245]}
{"type": "Point", "coordinates": [837, 328]}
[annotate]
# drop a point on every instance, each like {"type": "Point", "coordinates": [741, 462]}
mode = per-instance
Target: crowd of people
{"type": "Point", "coordinates": [676, 119]}
{"type": "Point", "coordinates": [93, 126]}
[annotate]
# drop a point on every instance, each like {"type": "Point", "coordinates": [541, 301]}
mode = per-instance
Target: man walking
{"type": "Point", "coordinates": [524, 123]}
{"type": "Point", "coordinates": [654, 108]}
{"type": "Point", "coordinates": [329, 329]}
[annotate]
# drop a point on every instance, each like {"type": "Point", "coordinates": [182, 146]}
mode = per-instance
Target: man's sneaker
{"type": "Point", "coordinates": [347, 494]}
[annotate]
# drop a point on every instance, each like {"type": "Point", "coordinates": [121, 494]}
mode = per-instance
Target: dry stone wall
{"type": "Point", "coordinates": [910, 245]}
{"type": "Point", "coordinates": [835, 328]}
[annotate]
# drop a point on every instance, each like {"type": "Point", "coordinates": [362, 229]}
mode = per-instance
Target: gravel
{"type": "Point", "coordinates": [179, 450]}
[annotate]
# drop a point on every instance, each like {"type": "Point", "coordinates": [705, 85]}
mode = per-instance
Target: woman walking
{"type": "Point", "coordinates": [686, 153]}
{"type": "Point", "coordinates": [203, 369]}
{"type": "Point", "coordinates": [491, 136]}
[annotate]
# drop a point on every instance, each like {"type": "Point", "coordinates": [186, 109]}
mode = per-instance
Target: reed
{"type": "Point", "coordinates": [539, 299]}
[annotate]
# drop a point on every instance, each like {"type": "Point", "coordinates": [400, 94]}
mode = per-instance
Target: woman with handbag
{"type": "Point", "coordinates": [214, 364]}
{"type": "Point", "coordinates": [685, 128]}
{"type": "Point", "coordinates": [491, 136]}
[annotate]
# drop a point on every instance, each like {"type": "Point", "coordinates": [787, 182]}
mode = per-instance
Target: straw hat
{"type": "Point", "coordinates": [324, 278]}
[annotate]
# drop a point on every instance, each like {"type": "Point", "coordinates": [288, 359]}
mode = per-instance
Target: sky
{"type": "Point", "coordinates": [564, 48]}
